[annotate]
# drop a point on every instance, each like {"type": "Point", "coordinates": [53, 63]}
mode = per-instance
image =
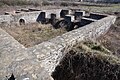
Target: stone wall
{"type": "Point", "coordinates": [6, 18]}
{"type": "Point", "coordinates": [50, 53]}
{"type": "Point", "coordinates": [28, 17]}
{"type": "Point", "coordinates": [39, 62]}
{"type": "Point", "coordinates": [16, 59]}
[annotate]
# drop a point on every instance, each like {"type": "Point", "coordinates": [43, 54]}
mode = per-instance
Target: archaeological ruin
{"type": "Point", "coordinates": [39, 61]}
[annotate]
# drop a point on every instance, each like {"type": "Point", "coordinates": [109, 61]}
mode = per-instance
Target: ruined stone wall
{"type": "Point", "coordinates": [6, 18]}
{"type": "Point", "coordinates": [38, 62]}
{"type": "Point", "coordinates": [54, 11]}
{"type": "Point", "coordinates": [50, 53]}
{"type": "Point", "coordinates": [17, 60]}
{"type": "Point", "coordinates": [28, 17]}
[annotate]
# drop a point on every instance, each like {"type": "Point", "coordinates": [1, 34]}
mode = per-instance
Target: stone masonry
{"type": "Point", "coordinates": [38, 62]}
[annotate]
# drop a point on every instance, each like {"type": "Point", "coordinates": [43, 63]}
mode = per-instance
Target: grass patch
{"type": "Point", "coordinates": [96, 46]}
{"type": "Point", "coordinates": [32, 34]}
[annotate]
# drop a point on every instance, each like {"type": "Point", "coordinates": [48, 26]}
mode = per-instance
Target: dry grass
{"type": "Point", "coordinates": [84, 63]}
{"type": "Point", "coordinates": [32, 34]}
{"type": "Point", "coordinates": [111, 40]}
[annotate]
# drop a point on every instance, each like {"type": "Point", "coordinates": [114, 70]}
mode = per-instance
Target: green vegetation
{"type": "Point", "coordinates": [96, 46]}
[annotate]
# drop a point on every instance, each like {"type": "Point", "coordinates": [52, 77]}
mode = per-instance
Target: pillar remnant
{"type": "Point", "coordinates": [53, 19]}
{"type": "Point", "coordinates": [69, 18]}
{"type": "Point", "coordinates": [64, 12]}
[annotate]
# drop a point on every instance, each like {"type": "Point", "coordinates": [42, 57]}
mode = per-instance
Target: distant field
{"type": "Point", "coordinates": [95, 7]}
{"type": "Point", "coordinates": [20, 2]}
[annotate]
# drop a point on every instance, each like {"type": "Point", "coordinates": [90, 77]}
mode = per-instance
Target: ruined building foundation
{"type": "Point", "coordinates": [38, 62]}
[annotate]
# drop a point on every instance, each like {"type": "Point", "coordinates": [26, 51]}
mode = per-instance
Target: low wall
{"type": "Point", "coordinates": [10, 51]}
{"type": "Point", "coordinates": [39, 61]}
{"type": "Point", "coordinates": [6, 18]}
{"type": "Point", "coordinates": [49, 53]}
{"type": "Point", "coordinates": [28, 17]}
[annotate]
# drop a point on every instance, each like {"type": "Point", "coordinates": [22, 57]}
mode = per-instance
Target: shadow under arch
{"type": "Point", "coordinates": [22, 22]}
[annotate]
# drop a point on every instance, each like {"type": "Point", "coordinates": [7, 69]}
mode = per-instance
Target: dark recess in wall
{"type": "Point", "coordinates": [84, 67]}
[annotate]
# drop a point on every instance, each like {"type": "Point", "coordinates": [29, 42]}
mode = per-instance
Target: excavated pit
{"type": "Point", "coordinates": [81, 64]}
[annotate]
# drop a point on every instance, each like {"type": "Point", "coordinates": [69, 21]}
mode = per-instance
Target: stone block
{"type": "Point", "coordinates": [64, 12]}
{"type": "Point", "coordinates": [69, 18]}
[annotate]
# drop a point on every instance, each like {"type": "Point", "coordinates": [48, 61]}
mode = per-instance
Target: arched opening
{"type": "Point", "coordinates": [22, 22]}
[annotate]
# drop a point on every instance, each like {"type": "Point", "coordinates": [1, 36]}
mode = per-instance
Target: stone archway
{"type": "Point", "coordinates": [22, 22]}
